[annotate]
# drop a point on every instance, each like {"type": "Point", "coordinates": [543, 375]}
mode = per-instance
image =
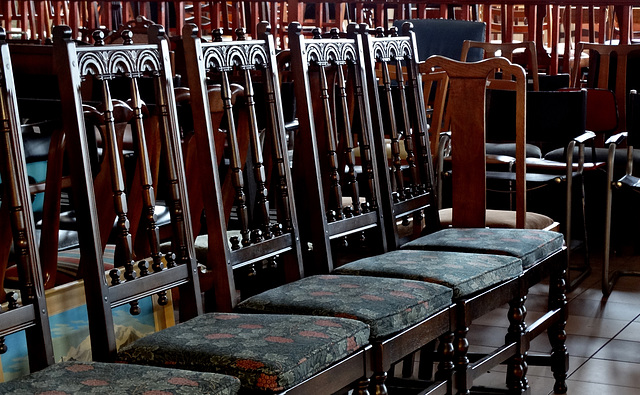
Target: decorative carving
{"type": "Point", "coordinates": [106, 63]}
{"type": "Point", "coordinates": [338, 51]}
{"type": "Point", "coordinates": [246, 56]}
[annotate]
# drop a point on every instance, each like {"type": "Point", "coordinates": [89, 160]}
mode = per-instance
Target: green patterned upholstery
{"type": "Point", "coordinates": [387, 305]}
{"type": "Point", "coordinates": [67, 378]}
{"type": "Point", "coordinates": [527, 244]}
{"type": "Point", "coordinates": [266, 352]}
{"type": "Point", "coordinates": [465, 273]}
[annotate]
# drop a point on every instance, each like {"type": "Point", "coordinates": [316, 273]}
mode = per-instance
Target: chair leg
{"type": "Point", "coordinates": [556, 332]}
{"type": "Point", "coordinates": [585, 268]}
{"type": "Point", "coordinates": [608, 282]}
{"type": "Point", "coordinates": [446, 353]}
{"type": "Point", "coordinates": [380, 387]}
{"type": "Point", "coordinates": [517, 366]}
{"type": "Point", "coordinates": [363, 387]}
{"type": "Point", "coordinates": [461, 359]}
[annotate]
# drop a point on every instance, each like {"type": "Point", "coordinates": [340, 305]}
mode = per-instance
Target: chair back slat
{"type": "Point", "coordinates": [104, 67]}
{"type": "Point", "coordinates": [468, 83]}
{"type": "Point", "coordinates": [31, 315]}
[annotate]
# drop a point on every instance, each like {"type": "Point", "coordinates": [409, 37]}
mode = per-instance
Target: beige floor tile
{"type": "Point", "coordinates": [601, 371]}
{"type": "Point", "coordinates": [594, 327]}
{"type": "Point", "coordinates": [585, 388]}
{"type": "Point", "coordinates": [631, 332]}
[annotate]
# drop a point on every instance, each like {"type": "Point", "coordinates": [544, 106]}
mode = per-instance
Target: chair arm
{"type": "Point", "coordinates": [616, 139]}
{"type": "Point", "coordinates": [584, 137]}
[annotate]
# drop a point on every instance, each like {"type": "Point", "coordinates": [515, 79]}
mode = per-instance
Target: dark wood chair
{"type": "Point", "coordinates": [254, 230]}
{"type": "Point", "coordinates": [341, 196]}
{"type": "Point", "coordinates": [334, 116]}
{"type": "Point", "coordinates": [267, 352]}
{"type": "Point", "coordinates": [27, 311]}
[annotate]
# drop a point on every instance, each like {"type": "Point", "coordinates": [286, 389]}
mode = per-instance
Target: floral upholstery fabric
{"type": "Point", "coordinates": [465, 273]}
{"type": "Point", "coordinates": [388, 305]}
{"type": "Point", "coordinates": [266, 352]}
{"type": "Point", "coordinates": [527, 244]}
{"type": "Point", "coordinates": [66, 378]}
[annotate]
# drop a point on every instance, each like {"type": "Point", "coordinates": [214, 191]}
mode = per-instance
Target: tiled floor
{"type": "Point", "coordinates": [603, 336]}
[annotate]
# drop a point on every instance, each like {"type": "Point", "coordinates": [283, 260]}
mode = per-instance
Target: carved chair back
{"type": "Point", "coordinates": [27, 310]}
{"type": "Point", "coordinates": [104, 67]}
{"type": "Point", "coordinates": [400, 120]}
{"type": "Point", "coordinates": [241, 149]}
{"type": "Point", "coordinates": [335, 198]}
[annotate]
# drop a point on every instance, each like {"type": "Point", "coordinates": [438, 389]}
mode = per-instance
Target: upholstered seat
{"type": "Point", "coordinates": [95, 377]}
{"type": "Point", "coordinates": [529, 245]}
{"type": "Point", "coordinates": [464, 273]}
{"type": "Point", "coordinates": [286, 350]}
{"type": "Point", "coordinates": [387, 305]}
{"type": "Point", "coordinates": [503, 219]}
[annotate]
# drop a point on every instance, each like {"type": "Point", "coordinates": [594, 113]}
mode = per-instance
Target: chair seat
{"type": "Point", "coordinates": [527, 244]}
{"type": "Point", "coordinates": [601, 154]}
{"type": "Point", "coordinates": [266, 352]}
{"type": "Point", "coordinates": [94, 377]}
{"type": "Point", "coordinates": [387, 305]}
{"type": "Point", "coordinates": [503, 219]}
{"type": "Point", "coordinates": [509, 149]}
{"type": "Point", "coordinates": [464, 273]}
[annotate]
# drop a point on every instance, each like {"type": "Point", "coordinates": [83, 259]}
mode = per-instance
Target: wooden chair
{"type": "Point", "coordinates": [600, 75]}
{"type": "Point", "coordinates": [249, 172]}
{"type": "Point", "coordinates": [273, 350]}
{"type": "Point", "coordinates": [467, 94]}
{"type": "Point", "coordinates": [627, 182]}
{"type": "Point", "coordinates": [341, 201]}
{"type": "Point", "coordinates": [333, 65]}
{"type": "Point", "coordinates": [474, 301]}
{"type": "Point", "coordinates": [59, 268]}
{"type": "Point", "coordinates": [28, 311]}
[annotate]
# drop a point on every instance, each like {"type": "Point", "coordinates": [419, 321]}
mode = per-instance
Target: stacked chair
{"type": "Point", "coordinates": [27, 309]}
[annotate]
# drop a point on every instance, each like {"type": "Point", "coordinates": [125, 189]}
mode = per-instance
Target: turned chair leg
{"type": "Point", "coordinates": [517, 366]}
{"type": "Point", "coordinates": [462, 360]}
{"type": "Point", "coordinates": [557, 334]}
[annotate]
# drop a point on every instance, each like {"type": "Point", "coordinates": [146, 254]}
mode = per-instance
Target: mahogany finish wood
{"type": "Point", "coordinates": [267, 219]}
{"type": "Point", "coordinates": [102, 64]}
{"type": "Point", "coordinates": [31, 316]}
{"type": "Point", "coordinates": [334, 119]}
